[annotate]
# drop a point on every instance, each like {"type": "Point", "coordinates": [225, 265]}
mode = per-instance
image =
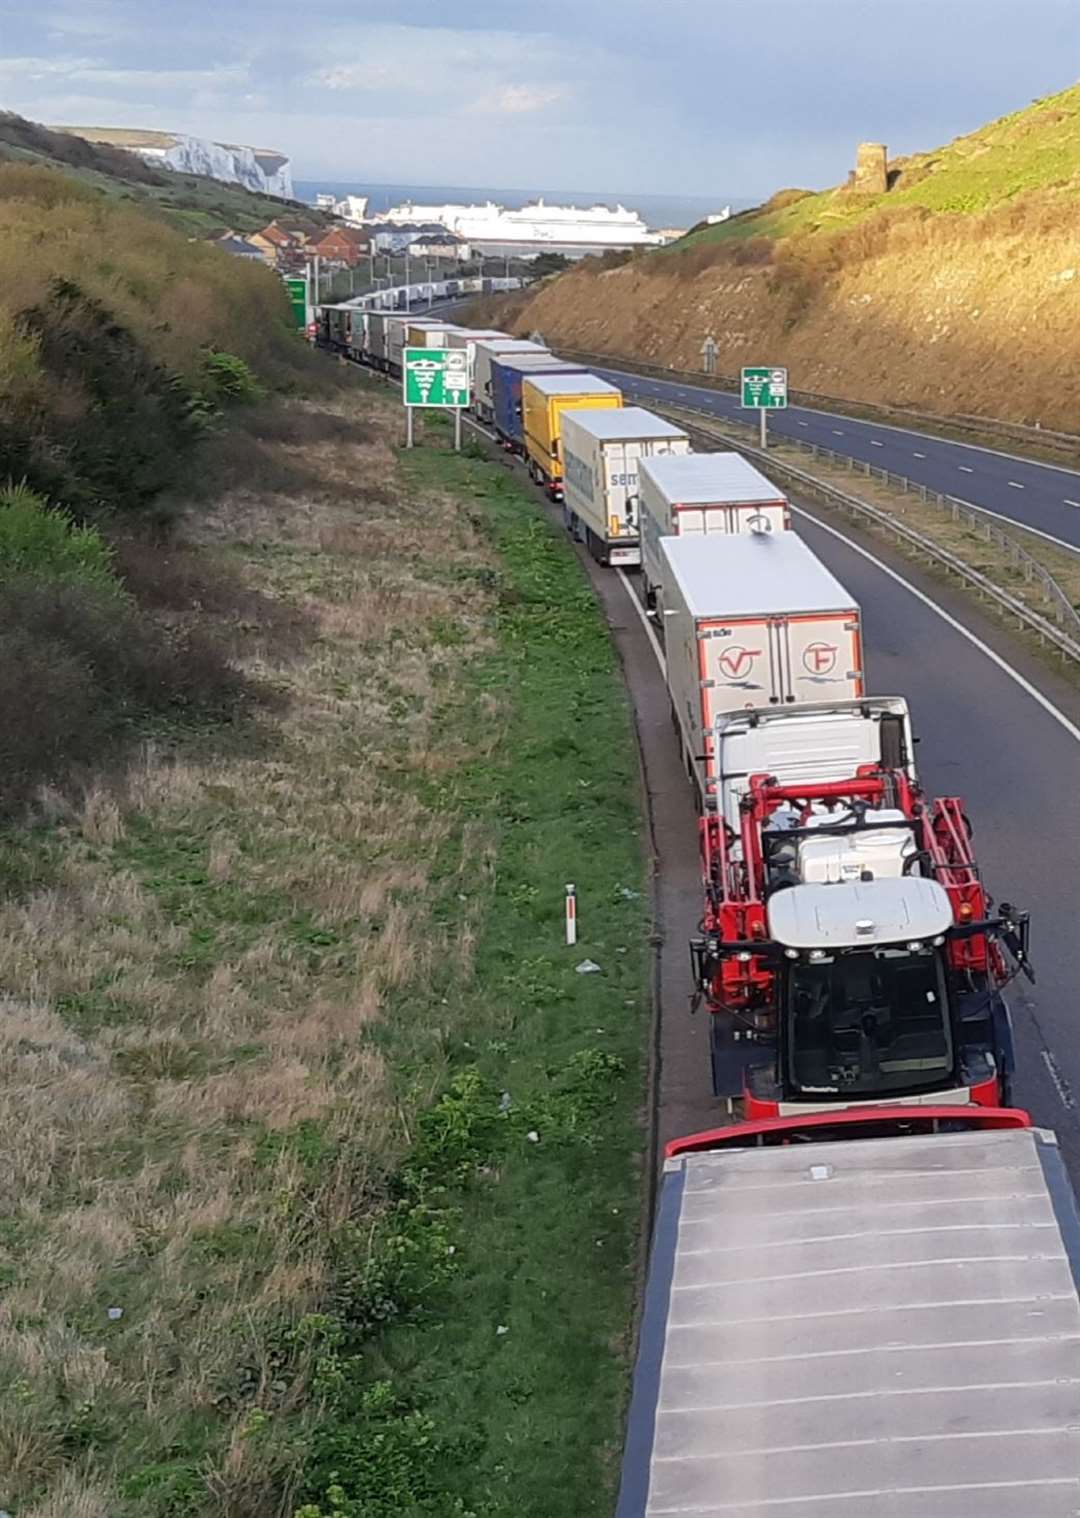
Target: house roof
{"type": "Point", "coordinates": [239, 246]}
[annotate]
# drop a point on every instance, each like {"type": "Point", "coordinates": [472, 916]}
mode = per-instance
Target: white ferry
{"type": "Point", "coordinates": [560, 228]}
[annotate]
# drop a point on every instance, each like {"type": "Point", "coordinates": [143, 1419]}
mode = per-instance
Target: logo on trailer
{"type": "Point", "coordinates": [737, 662]}
{"type": "Point", "coordinates": [819, 658]}
{"type": "Point", "coordinates": [759, 522]}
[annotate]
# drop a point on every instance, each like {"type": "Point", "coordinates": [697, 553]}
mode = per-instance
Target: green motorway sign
{"type": "Point", "coordinates": [297, 288]}
{"type": "Point", "coordinates": [764, 389]}
{"type": "Point", "coordinates": [436, 377]}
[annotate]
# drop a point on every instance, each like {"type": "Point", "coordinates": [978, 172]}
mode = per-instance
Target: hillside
{"type": "Point", "coordinates": [193, 203]}
{"type": "Point", "coordinates": [958, 290]}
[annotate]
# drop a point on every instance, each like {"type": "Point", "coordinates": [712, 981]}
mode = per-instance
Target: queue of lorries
{"type": "Point", "coordinates": [880, 1327]}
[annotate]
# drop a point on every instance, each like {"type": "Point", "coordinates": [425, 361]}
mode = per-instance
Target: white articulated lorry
{"type": "Point", "coordinates": [602, 452]}
{"type": "Point", "coordinates": [848, 1326]}
{"type": "Point", "coordinates": [487, 349]}
{"type": "Point", "coordinates": [751, 620]}
{"type": "Point", "coordinates": [703, 493]}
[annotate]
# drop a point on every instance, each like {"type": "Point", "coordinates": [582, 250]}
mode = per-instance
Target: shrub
{"type": "Point", "coordinates": [121, 422]}
{"type": "Point", "coordinates": [52, 715]}
{"type": "Point", "coordinates": [228, 379]}
{"type": "Point", "coordinates": [78, 668]}
{"type": "Point", "coordinates": [37, 540]}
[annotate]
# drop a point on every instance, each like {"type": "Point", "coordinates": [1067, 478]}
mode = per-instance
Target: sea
{"type": "Point", "coordinates": [656, 211]}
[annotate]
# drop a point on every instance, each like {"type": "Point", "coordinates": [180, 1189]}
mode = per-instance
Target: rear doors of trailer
{"type": "Point", "coordinates": [748, 621]}
{"type": "Point", "coordinates": [703, 493]}
{"type": "Point", "coordinates": [602, 452]}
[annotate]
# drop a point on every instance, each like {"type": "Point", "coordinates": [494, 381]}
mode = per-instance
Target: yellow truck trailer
{"type": "Point", "coordinates": [544, 397]}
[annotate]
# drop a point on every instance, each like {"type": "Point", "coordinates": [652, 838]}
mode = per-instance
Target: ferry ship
{"type": "Point", "coordinates": [559, 228]}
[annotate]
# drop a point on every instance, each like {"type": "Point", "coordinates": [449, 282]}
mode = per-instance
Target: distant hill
{"type": "Point", "coordinates": [956, 289]}
{"type": "Point", "coordinates": [194, 203]}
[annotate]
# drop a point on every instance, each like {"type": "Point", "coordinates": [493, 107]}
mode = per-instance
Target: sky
{"type": "Point", "coordinates": [693, 97]}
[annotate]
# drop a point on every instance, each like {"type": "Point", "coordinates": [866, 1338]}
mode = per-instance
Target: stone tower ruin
{"type": "Point", "coordinates": [871, 176]}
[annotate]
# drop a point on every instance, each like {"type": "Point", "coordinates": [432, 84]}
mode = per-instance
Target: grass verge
{"type": "Point", "coordinates": [323, 1179]}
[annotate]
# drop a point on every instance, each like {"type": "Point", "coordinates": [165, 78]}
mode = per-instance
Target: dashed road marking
{"type": "Point", "coordinates": [920, 455]}
{"type": "Point", "coordinates": [836, 432]}
{"type": "Point", "coordinates": [804, 424]}
{"type": "Point", "coordinates": [875, 444]}
{"type": "Point", "coordinates": [1061, 1085]}
{"type": "Point", "coordinates": [967, 469]}
{"type": "Point", "coordinates": [1071, 503]}
{"type": "Point", "coordinates": [1016, 485]}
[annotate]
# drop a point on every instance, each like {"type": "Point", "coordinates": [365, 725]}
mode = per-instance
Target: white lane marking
{"type": "Point", "coordinates": [1016, 485]}
{"type": "Point", "coordinates": [1061, 1085]}
{"type": "Point", "coordinates": [646, 624]}
{"type": "Point", "coordinates": [920, 455]}
{"type": "Point", "coordinates": [965, 632]}
{"type": "Point", "coordinates": [1071, 503]}
{"type": "Point", "coordinates": [803, 424]}
{"type": "Point", "coordinates": [836, 432]}
{"type": "Point", "coordinates": [966, 468]}
{"type": "Point", "coordinates": [875, 444]}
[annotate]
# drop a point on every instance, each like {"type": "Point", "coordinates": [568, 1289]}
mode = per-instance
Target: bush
{"type": "Point", "coordinates": [53, 718]}
{"type": "Point", "coordinates": [37, 540]}
{"type": "Point", "coordinates": [78, 668]}
{"type": "Point", "coordinates": [120, 423]}
{"type": "Point", "coordinates": [227, 379]}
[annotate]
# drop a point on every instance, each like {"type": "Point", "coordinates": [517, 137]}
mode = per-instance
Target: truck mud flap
{"type": "Point", "coordinates": [730, 1059]}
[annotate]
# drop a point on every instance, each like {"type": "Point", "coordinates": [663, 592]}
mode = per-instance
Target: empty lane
{"type": "Point", "coordinates": [1037, 496]}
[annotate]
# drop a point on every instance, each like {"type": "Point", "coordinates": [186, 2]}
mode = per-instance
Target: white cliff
{"type": "Point", "coordinates": [260, 169]}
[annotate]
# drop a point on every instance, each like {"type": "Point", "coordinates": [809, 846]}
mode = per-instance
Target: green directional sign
{"type": "Point", "coordinates": [436, 377]}
{"type": "Point", "coordinates": [296, 285]}
{"type": "Point", "coordinates": [764, 389]}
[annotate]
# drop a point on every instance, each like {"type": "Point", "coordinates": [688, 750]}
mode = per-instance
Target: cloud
{"type": "Point", "coordinates": [39, 70]}
{"type": "Point", "coordinates": [519, 99]}
{"type": "Point", "coordinates": [480, 71]}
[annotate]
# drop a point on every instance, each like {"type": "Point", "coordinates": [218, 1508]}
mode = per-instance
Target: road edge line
{"type": "Point", "coordinates": [920, 595]}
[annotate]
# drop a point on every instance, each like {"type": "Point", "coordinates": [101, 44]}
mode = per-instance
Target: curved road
{"type": "Point", "coordinates": [1041, 497]}
{"type": "Point", "coordinates": [983, 736]}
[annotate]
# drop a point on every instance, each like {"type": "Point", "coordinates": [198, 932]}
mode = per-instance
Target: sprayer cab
{"type": "Point", "coordinates": [848, 950]}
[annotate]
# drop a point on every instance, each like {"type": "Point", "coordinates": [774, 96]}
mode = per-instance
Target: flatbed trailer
{"type": "Point", "coordinates": [864, 1327]}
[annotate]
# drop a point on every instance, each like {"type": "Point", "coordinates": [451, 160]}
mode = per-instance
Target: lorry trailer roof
{"type": "Point", "coordinates": [627, 422]}
{"type": "Point", "coordinates": [752, 574]}
{"type": "Point", "coordinates": [868, 1328]}
{"type": "Point", "coordinates": [524, 362]}
{"type": "Point", "coordinates": [710, 478]}
{"type": "Point", "coordinates": [571, 384]}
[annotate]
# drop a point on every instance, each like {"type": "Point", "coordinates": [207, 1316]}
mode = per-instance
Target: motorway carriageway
{"type": "Point", "coordinates": [997, 727]}
{"type": "Point", "coordinates": [1040, 497]}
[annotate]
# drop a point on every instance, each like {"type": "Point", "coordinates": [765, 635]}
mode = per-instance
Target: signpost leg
{"type": "Point", "coordinates": [408, 427]}
{"type": "Point", "coordinates": [457, 429]}
{"type": "Point", "coordinates": [763, 414]}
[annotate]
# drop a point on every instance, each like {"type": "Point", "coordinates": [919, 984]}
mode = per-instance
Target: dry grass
{"type": "Point", "coordinates": [191, 1004]}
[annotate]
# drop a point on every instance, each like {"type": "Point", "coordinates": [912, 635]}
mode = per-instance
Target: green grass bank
{"type": "Point", "coordinates": [325, 1191]}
